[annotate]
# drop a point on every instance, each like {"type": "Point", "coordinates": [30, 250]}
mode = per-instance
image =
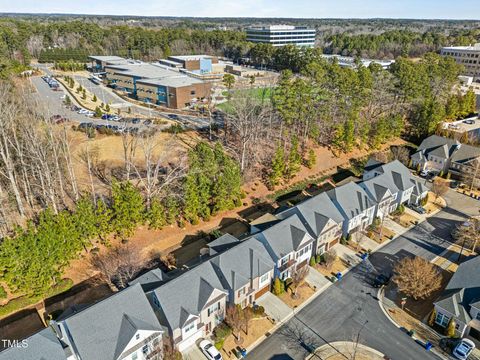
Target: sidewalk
{"type": "Point", "coordinates": [346, 253]}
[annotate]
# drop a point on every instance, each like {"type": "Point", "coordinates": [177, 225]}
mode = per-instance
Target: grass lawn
{"type": "Point", "coordinates": [304, 291]}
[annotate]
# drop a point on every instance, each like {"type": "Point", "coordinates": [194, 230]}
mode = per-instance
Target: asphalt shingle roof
{"type": "Point", "coordinates": [284, 237]}
{"type": "Point", "coordinates": [445, 147]}
{"type": "Point", "coordinates": [43, 345]}
{"type": "Point", "coordinates": [229, 270]}
{"type": "Point", "coordinates": [462, 290]}
{"type": "Point", "coordinates": [151, 279]}
{"type": "Point", "coordinates": [223, 243]}
{"type": "Point", "coordinates": [315, 213]}
{"type": "Point", "coordinates": [104, 329]}
{"type": "Point", "coordinates": [351, 199]}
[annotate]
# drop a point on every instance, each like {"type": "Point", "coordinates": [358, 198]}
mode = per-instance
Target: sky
{"type": "Point", "coordinates": [413, 9]}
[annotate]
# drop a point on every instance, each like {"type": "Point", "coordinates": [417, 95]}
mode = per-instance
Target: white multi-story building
{"type": "Point", "coordinates": [281, 35]}
{"type": "Point", "coordinates": [468, 56]}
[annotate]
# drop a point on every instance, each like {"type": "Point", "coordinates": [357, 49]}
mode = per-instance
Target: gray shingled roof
{"type": "Point", "coordinates": [453, 302]}
{"type": "Point", "coordinates": [433, 144]}
{"type": "Point", "coordinates": [378, 186]}
{"type": "Point", "coordinates": [315, 213]}
{"type": "Point", "coordinates": [43, 345]}
{"type": "Point", "coordinates": [284, 237]}
{"type": "Point", "coordinates": [372, 164]}
{"type": "Point", "coordinates": [462, 289]}
{"type": "Point", "coordinates": [350, 199]}
{"type": "Point", "coordinates": [151, 279]}
{"type": "Point", "coordinates": [230, 270]}
{"type": "Point", "coordinates": [104, 329]}
{"type": "Point", "coordinates": [223, 243]}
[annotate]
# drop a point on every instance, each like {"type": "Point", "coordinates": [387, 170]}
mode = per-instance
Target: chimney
{"type": "Point", "coordinates": [251, 268]}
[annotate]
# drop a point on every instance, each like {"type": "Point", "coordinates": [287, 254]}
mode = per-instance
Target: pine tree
{"type": "Point", "coordinates": [127, 208]}
{"type": "Point", "coordinates": [311, 159]}
{"type": "Point", "coordinates": [156, 215]}
{"type": "Point", "coordinates": [277, 168]}
{"type": "Point", "coordinates": [107, 108]}
{"type": "Point", "coordinates": [94, 99]}
{"type": "Point", "coordinates": [349, 134]}
{"type": "Point", "coordinates": [103, 215]}
{"type": "Point", "coordinates": [98, 112]}
{"type": "Point", "coordinates": [294, 160]}
{"type": "Point", "coordinates": [192, 200]}
{"type": "Point", "coordinates": [172, 209]}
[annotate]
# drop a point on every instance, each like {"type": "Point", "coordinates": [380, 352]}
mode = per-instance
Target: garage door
{"type": "Point", "coordinates": [262, 291]}
{"type": "Point", "coordinates": [185, 344]}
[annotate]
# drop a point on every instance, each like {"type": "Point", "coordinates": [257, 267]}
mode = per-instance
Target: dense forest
{"type": "Point", "coordinates": [51, 38]}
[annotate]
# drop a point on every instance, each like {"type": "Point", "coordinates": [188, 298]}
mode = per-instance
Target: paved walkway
{"type": "Point", "coordinates": [274, 307]}
{"type": "Point", "coordinates": [316, 279]}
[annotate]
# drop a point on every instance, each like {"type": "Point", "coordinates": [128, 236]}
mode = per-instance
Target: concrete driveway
{"type": "Point", "coordinates": [315, 278]}
{"type": "Point", "coordinates": [193, 353]}
{"type": "Point", "coordinates": [274, 307]}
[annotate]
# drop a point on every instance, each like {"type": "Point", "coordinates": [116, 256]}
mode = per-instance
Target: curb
{"type": "Point", "coordinates": [380, 296]}
{"type": "Point", "coordinates": [320, 291]}
{"type": "Point", "coordinates": [339, 344]}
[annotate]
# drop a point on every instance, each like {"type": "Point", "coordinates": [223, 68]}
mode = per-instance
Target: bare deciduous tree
{"type": "Point", "coordinates": [416, 277]}
{"type": "Point", "coordinates": [118, 265]}
{"type": "Point", "coordinates": [298, 277]}
{"type": "Point", "coordinates": [439, 187]}
{"type": "Point", "coordinates": [234, 317]}
{"type": "Point", "coordinates": [468, 233]}
{"type": "Point", "coordinates": [471, 173]}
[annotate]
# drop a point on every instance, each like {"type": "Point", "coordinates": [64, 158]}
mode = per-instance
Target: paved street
{"type": "Point", "coordinates": [349, 309]}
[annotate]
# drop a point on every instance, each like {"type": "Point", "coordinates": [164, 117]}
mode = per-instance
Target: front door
{"type": "Point", "coordinates": [208, 328]}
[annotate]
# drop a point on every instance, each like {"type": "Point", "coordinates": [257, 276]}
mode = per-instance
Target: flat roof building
{"type": "Point", "coordinates": [157, 84]}
{"type": "Point", "coordinates": [281, 35]}
{"type": "Point", "coordinates": [348, 61]}
{"type": "Point", "coordinates": [468, 56]}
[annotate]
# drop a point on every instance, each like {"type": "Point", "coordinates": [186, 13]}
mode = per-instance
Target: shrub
{"type": "Point", "coordinates": [288, 282]}
{"type": "Point", "coordinates": [3, 293]}
{"type": "Point", "coordinates": [219, 344]}
{"type": "Point", "coordinates": [450, 331]}
{"type": "Point", "coordinates": [318, 260]}
{"type": "Point", "coordinates": [431, 319]}
{"type": "Point", "coordinates": [259, 310]}
{"type": "Point", "coordinates": [222, 331]}
{"type": "Point", "coordinates": [424, 201]}
{"type": "Point", "coordinates": [278, 286]}
{"type": "Point", "coordinates": [312, 261]}
{"type": "Point", "coordinates": [343, 240]}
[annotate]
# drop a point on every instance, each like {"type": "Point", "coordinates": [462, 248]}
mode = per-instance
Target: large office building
{"type": "Point", "coordinates": [156, 84]}
{"type": "Point", "coordinates": [468, 56]}
{"type": "Point", "coordinates": [281, 35]}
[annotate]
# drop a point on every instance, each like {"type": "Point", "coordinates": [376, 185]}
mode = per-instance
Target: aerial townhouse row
{"type": "Point", "coordinates": [190, 306]}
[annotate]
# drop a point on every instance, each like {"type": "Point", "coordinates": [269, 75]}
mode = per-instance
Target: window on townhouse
{"type": "Point", "coordinates": [478, 316]}
{"type": "Point", "coordinates": [264, 278]}
{"type": "Point", "coordinates": [145, 349]}
{"type": "Point", "coordinates": [134, 356]}
{"type": "Point", "coordinates": [189, 327]}
{"type": "Point", "coordinates": [284, 260]}
{"type": "Point", "coordinates": [213, 308]}
{"type": "Point", "coordinates": [442, 319]}
{"type": "Point", "coordinates": [137, 337]}
{"type": "Point", "coordinates": [242, 291]}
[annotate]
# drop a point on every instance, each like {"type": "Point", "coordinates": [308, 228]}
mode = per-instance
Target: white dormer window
{"type": "Point", "coordinates": [137, 337]}
{"type": "Point", "coordinates": [187, 330]}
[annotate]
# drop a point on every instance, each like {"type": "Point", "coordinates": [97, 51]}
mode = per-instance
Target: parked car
{"type": "Point", "coordinates": [469, 121]}
{"type": "Point", "coordinates": [89, 113]}
{"type": "Point", "coordinates": [454, 184]}
{"type": "Point", "coordinates": [463, 349]}
{"type": "Point", "coordinates": [381, 280]}
{"type": "Point", "coordinates": [82, 111]}
{"type": "Point", "coordinates": [454, 127]}
{"type": "Point", "coordinates": [418, 209]}
{"type": "Point", "coordinates": [173, 116]}
{"type": "Point", "coordinates": [424, 173]}
{"type": "Point", "coordinates": [209, 350]}
{"type": "Point", "coordinates": [147, 122]}
{"type": "Point", "coordinates": [136, 121]}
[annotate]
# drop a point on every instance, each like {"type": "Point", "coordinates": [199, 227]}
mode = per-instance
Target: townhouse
{"type": "Point", "coordinates": [439, 154]}
{"type": "Point", "coordinates": [289, 244]}
{"type": "Point", "coordinates": [321, 218]}
{"type": "Point", "coordinates": [122, 326]}
{"type": "Point", "coordinates": [195, 302]}
{"type": "Point", "coordinates": [356, 207]}
{"type": "Point", "coordinates": [390, 185]}
{"type": "Point", "coordinates": [460, 300]}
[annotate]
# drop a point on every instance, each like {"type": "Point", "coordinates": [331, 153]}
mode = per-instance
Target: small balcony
{"type": "Point", "coordinates": [287, 265]}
